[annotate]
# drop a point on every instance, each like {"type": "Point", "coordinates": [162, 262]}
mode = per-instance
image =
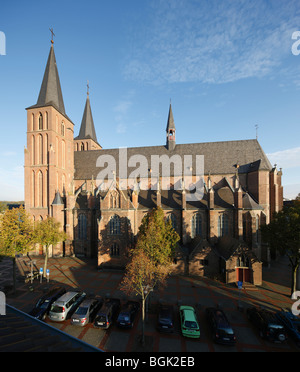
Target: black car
{"type": "Point", "coordinates": [43, 305]}
{"type": "Point", "coordinates": [268, 325]}
{"type": "Point", "coordinates": [165, 318]}
{"type": "Point", "coordinates": [221, 329]}
{"type": "Point", "coordinates": [107, 313]}
{"type": "Point", "coordinates": [127, 314]}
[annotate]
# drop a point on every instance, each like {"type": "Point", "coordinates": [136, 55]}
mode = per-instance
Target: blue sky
{"type": "Point", "coordinates": [226, 65]}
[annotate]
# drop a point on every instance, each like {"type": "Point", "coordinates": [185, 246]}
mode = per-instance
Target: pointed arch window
{"type": "Point", "coordinates": [40, 149]}
{"type": "Point", "coordinates": [196, 225]}
{"type": "Point", "coordinates": [82, 227]}
{"type": "Point", "coordinates": [115, 225]}
{"type": "Point", "coordinates": [115, 250]}
{"type": "Point", "coordinates": [173, 220]}
{"type": "Point", "coordinates": [40, 121]}
{"type": "Point", "coordinates": [40, 189]}
{"type": "Point", "coordinates": [223, 225]}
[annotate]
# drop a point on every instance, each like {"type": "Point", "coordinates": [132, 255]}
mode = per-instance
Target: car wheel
{"type": "Point", "coordinates": [281, 337]}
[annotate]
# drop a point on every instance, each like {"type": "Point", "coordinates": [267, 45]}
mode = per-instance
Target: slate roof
{"type": "Point", "coordinates": [19, 332]}
{"type": "Point", "coordinates": [170, 123]}
{"type": "Point", "coordinates": [50, 92]}
{"type": "Point", "coordinates": [87, 128]}
{"type": "Point", "coordinates": [219, 158]}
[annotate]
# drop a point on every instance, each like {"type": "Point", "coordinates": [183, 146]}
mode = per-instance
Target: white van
{"type": "Point", "coordinates": [65, 306]}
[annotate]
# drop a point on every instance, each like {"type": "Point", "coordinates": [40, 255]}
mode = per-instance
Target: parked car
{"type": "Point", "coordinates": [86, 311]}
{"type": "Point", "coordinates": [268, 325]}
{"type": "Point", "coordinates": [127, 314]}
{"type": "Point", "coordinates": [65, 306]}
{"type": "Point", "coordinates": [43, 306]}
{"type": "Point", "coordinates": [165, 318]}
{"type": "Point", "coordinates": [189, 323]}
{"type": "Point", "coordinates": [220, 326]}
{"type": "Point", "coordinates": [107, 313]}
{"type": "Point", "coordinates": [291, 323]}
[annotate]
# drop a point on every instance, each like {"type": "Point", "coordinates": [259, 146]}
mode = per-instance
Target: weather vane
{"type": "Point", "coordinates": [52, 34]}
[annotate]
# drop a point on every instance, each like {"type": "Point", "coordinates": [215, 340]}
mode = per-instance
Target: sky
{"type": "Point", "coordinates": [226, 66]}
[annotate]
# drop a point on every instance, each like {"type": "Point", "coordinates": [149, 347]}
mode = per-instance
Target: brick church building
{"type": "Point", "coordinates": [219, 233]}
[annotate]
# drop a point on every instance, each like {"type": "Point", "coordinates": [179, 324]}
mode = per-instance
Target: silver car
{"type": "Point", "coordinates": [86, 312]}
{"type": "Point", "coordinates": [65, 306]}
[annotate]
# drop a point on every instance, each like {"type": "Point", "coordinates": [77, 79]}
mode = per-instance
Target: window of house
{"type": "Point", "coordinates": [173, 220]}
{"type": "Point", "coordinates": [196, 225]}
{"type": "Point", "coordinates": [115, 225]}
{"type": "Point", "coordinates": [82, 227]}
{"type": "Point", "coordinates": [40, 121]}
{"type": "Point", "coordinates": [223, 226]}
{"type": "Point", "coordinates": [115, 250]}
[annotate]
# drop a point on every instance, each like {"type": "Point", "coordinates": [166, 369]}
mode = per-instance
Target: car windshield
{"type": "Point", "coordinates": [81, 310]}
{"type": "Point", "coordinates": [124, 317]}
{"type": "Point", "coordinates": [190, 324]}
{"type": "Point", "coordinates": [56, 309]}
{"type": "Point", "coordinates": [42, 304]}
{"type": "Point", "coordinates": [101, 318]}
{"type": "Point", "coordinates": [275, 326]}
{"type": "Point", "coordinates": [226, 331]}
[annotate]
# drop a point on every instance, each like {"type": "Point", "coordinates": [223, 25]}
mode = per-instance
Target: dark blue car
{"type": "Point", "coordinates": [42, 307]}
{"type": "Point", "coordinates": [291, 324]}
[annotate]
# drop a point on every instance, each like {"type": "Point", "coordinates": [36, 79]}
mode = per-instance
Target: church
{"type": "Point", "coordinates": [219, 231]}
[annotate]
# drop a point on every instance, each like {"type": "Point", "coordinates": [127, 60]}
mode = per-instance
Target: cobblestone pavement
{"type": "Point", "coordinates": [199, 292]}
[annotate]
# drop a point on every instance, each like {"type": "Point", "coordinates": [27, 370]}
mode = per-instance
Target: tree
{"type": "Point", "coordinates": [157, 238]}
{"type": "Point", "coordinates": [141, 276]}
{"type": "Point", "coordinates": [48, 232]}
{"type": "Point", "coordinates": [16, 235]}
{"type": "Point", "coordinates": [152, 257]}
{"type": "Point", "coordinates": [283, 235]}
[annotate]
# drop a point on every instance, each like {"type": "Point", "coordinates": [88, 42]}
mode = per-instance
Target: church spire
{"type": "Point", "coordinates": [50, 92]}
{"type": "Point", "coordinates": [87, 129]}
{"type": "Point", "coordinates": [171, 140]}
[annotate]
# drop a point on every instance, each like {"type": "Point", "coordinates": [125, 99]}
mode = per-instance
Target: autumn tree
{"type": "Point", "coordinates": [141, 276]}
{"type": "Point", "coordinates": [48, 232]}
{"type": "Point", "coordinates": [16, 235]}
{"type": "Point", "coordinates": [157, 238]}
{"type": "Point", "coordinates": [283, 235]}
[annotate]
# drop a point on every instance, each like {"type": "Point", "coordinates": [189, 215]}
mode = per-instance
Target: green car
{"type": "Point", "coordinates": [188, 321]}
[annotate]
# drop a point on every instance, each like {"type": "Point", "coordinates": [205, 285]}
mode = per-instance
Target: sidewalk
{"type": "Point", "coordinates": [198, 292]}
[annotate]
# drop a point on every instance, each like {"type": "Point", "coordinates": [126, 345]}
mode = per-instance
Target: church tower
{"type": "Point", "coordinates": [87, 139]}
{"type": "Point", "coordinates": [49, 156]}
{"type": "Point", "coordinates": [171, 130]}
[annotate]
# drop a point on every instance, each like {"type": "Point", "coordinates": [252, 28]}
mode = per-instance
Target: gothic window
{"type": "Point", "coordinates": [223, 228]}
{"type": "Point", "coordinates": [63, 154]}
{"type": "Point", "coordinates": [196, 225]}
{"type": "Point", "coordinates": [33, 151]}
{"type": "Point", "coordinates": [115, 250]}
{"type": "Point", "coordinates": [33, 189]}
{"type": "Point", "coordinates": [40, 149]}
{"type": "Point", "coordinates": [46, 121]}
{"type": "Point", "coordinates": [114, 199]}
{"type": "Point", "coordinates": [82, 147]}
{"type": "Point", "coordinates": [173, 220]}
{"type": "Point", "coordinates": [62, 128]}
{"type": "Point", "coordinates": [40, 121]}
{"type": "Point", "coordinates": [82, 227]}
{"type": "Point", "coordinates": [115, 225]}
{"type": "Point", "coordinates": [32, 122]}
{"type": "Point", "coordinates": [257, 229]}
{"type": "Point", "coordinates": [40, 189]}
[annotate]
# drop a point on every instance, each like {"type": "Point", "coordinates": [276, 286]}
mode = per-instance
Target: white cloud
{"type": "Point", "coordinates": [286, 159]}
{"type": "Point", "coordinates": [212, 41]}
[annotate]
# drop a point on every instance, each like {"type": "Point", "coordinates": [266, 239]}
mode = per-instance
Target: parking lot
{"type": "Point", "coordinates": [199, 292]}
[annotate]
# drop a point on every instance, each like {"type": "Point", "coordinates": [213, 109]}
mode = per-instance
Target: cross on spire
{"type": "Point", "coordinates": [88, 88]}
{"type": "Point", "coordinates": [52, 34]}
